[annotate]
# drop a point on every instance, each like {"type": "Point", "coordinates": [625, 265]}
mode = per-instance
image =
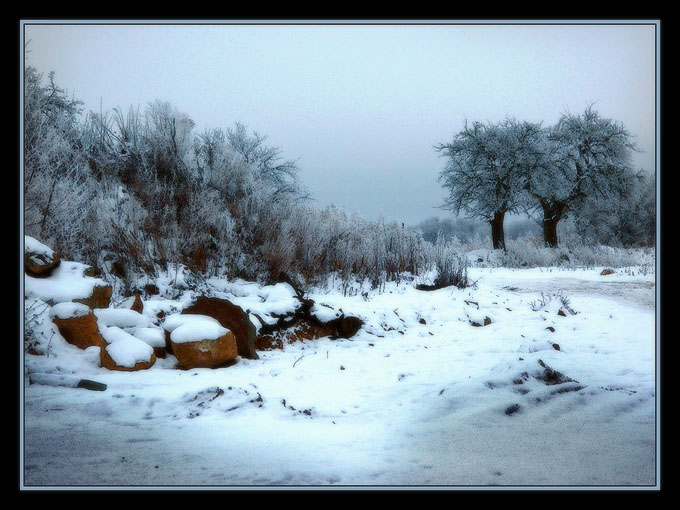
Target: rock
{"type": "Point", "coordinates": [304, 330]}
{"type": "Point", "coordinates": [109, 363]}
{"type": "Point", "coordinates": [39, 260]}
{"type": "Point", "coordinates": [125, 352]}
{"type": "Point", "coordinates": [605, 272]}
{"type": "Point", "coordinates": [137, 304]}
{"type": "Point", "coordinates": [550, 376]}
{"type": "Point", "coordinates": [476, 324]}
{"type": "Point", "coordinates": [91, 385]}
{"type": "Point", "coordinates": [231, 317]}
{"type": "Point", "coordinates": [205, 345]}
{"type": "Point", "coordinates": [512, 409]}
{"type": "Point", "coordinates": [348, 326]}
{"type": "Point", "coordinates": [78, 325]}
{"type": "Point", "coordinates": [100, 297]}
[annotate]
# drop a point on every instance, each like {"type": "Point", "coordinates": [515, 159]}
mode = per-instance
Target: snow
{"type": "Point", "coordinates": [418, 397]}
{"type": "Point", "coordinates": [267, 301]}
{"type": "Point", "coordinates": [324, 312]}
{"type": "Point", "coordinates": [125, 349]}
{"type": "Point", "coordinates": [122, 318]}
{"type": "Point", "coordinates": [66, 283]}
{"type": "Point", "coordinates": [178, 319]}
{"type": "Point", "coordinates": [32, 245]}
{"type": "Point", "coordinates": [195, 331]}
{"type": "Point", "coordinates": [69, 310]}
{"type": "Point", "coordinates": [152, 336]}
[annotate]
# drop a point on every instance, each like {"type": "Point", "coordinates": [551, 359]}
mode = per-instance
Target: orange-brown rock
{"type": "Point", "coordinates": [160, 352]}
{"type": "Point", "coordinates": [40, 264]}
{"type": "Point", "coordinates": [100, 297]}
{"type": "Point", "coordinates": [109, 363]}
{"type": "Point", "coordinates": [206, 353]}
{"type": "Point", "coordinates": [231, 317]}
{"type": "Point", "coordinates": [137, 304]}
{"type": "Point", "coordinates": [605, 272]}
{"type": "Point", "coordinates": [80, 331]}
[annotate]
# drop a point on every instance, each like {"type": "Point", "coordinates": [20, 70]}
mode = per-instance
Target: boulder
{"type": "Point", "coordinates": [605, 272]}
{"type": "Point", "coordinates": [203, 345]}
{"type": "Point", "coordinates": [230, 316]}
{"type": "Point", "coordinates": [125, 352]}
{"type": "Point", "coordinates": [77, 324]}
{"type": "Point", "coordinates": [99, 298]}
{"type": "Point", "coordinates": [39, 260]}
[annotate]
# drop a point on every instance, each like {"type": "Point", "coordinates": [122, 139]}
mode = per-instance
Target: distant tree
{"type": "Point", "coordinates": [583, 156]}
{"type": "Point", "coordinates": [484, 172]}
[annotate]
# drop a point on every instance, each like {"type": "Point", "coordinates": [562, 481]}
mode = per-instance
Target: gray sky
{"type": "Point", "coordinates": [361, 107]}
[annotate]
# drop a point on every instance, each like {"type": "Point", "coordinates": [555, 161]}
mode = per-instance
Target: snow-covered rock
{"type": "Point", "coordinates": [125, 352]}
{"type": "Point", "coordinates": [39, 259]}
{"type": "Point", "coordinates": [203, 344]}
{"type": "Point", "coordinates": [67, 282]}
{"type": "Point", "coordinates": [122, 318]}
{"type": "Point", "coordinates": [77, 324]}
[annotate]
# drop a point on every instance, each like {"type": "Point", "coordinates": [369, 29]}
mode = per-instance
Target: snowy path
{"type": "Point", "coordinates": [402, 403]}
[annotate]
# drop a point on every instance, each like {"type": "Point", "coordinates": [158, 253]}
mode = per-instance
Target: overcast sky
{"type": "Point", "coordinates": [361, 106]}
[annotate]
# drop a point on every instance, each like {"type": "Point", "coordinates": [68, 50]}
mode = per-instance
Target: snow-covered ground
{"type": "Point", "coordinates": [419, 396]}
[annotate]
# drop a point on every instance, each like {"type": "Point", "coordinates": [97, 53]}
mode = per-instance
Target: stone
{"type": "Point", "coordinates": [40, 263]}
{"type": "Point", "coordinates": [605, 272]}
{"type": "Point", "coordinates": [231, 317]}
{"type": "Point", "coordinates": [125, 352]}
{"type": "Point", "coordinates": [137, 304]}
{"type": "Point", "coordinates": [100, 297]}
{"type": "Point", "coordinates": [476, 324]}
{"type": "Point", "coordinates": [348, 326]}
{"type": "Point", "coordinates": [82, 331]}
{"type": "Point", "coordinates": [206, 353]}
{"type": "Point", "coordinates": [108, 363]}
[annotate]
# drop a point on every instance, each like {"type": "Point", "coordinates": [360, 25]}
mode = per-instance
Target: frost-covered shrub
{"type": "Point", "coordinates": [450, 265]}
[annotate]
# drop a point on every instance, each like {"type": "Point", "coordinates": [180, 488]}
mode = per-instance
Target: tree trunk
{"type": "Point", "coordinates": [551, 216]}
{"type": "Point", "coordinates": [497, 234]}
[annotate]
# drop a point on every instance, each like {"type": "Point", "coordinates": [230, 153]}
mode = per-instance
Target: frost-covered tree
{"type": "Point", "coordinates": [485, 168]}
{"type": "Point", "coordinates": [57, 185]}
{"type": "Point", "coordinates": [584, 156]}
{"type": "Point", "coordinates": [281, 176]}
{"type": "Point", "coordinates": [627, 220]}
